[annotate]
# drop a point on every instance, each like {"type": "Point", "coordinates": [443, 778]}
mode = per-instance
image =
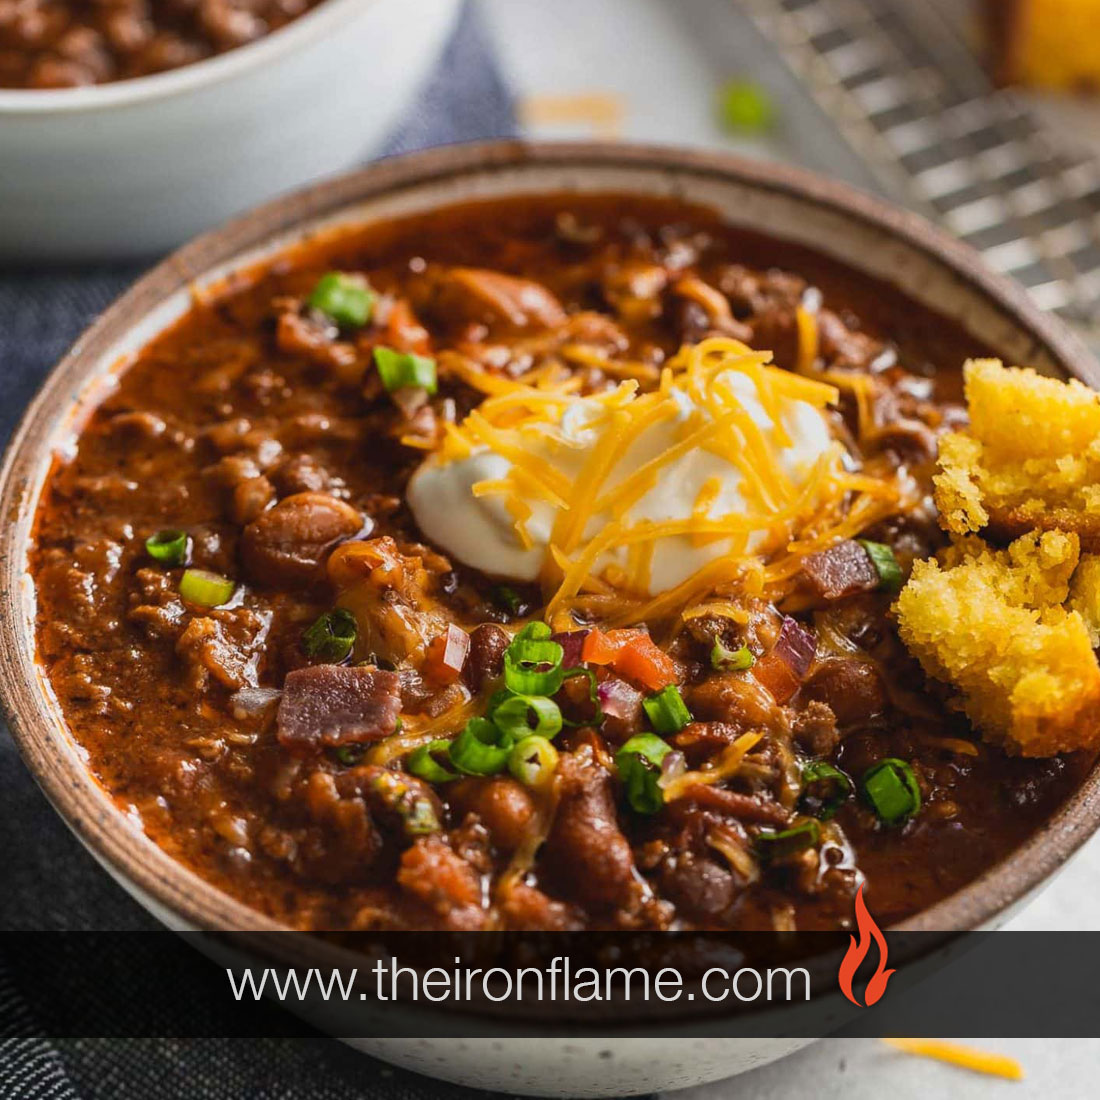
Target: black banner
{"type": "Point", "coordinates": [418, 984]}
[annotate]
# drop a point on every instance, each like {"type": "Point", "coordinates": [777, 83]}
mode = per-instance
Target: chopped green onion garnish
{"type": "Point", "coordinates": [424, 764]}
{"type": "Point", "coordinates": [745, 107]}
{"type": "Point", "coordinates": [513, 714]}
{"type": "Point", "coordinates": [773, 846]}
{"type": "Point", "coordinates": [891, 788]}
{"type": "Point", "coordinates": [200, 586]}
{"type": "Point", "coordinates": [399, 370]}
{"type": "Point", "coordinates": [508, 598]}
{"type": "Point", "coordinates": [535, 630]}
{"type": "Point", "coordinates": [885, 563]}
{"type": "Point", "coordinates": [532, 663]}
{"type": "Point", "coordinates": [824, 790]}
{"type": "Point", "coordinates": [332, 637]}
{"type": "Point", "coordinates": [168, 547]}
{"type": "Point", "coordinates": [668, 713]}
{"type": "Point", "coordinates": [731, 660]}
{"type": "Point", "coordinates": [533, 761]}
{"type": "Point", "coordinates": [639, 765]}
{"type": "Point", "coordinates": [481, 749]}
{"type": "Point", "coordinates": [347, 299]}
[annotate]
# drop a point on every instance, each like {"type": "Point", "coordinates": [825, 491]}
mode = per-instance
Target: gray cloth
{"type": "Point", "coordinates": [48, 881]}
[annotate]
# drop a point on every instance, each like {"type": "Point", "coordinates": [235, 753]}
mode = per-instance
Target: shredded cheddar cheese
{"type": "Point", "coordinates": [727, 764]}
{"type": "Point", "coordinates": [524, 420]}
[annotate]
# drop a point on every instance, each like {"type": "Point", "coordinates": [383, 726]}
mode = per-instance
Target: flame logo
{"type": "Point", "coordinates": [857, 952]}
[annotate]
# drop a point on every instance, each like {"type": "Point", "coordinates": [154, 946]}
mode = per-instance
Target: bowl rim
{"type": "Point", "coordinates": [169, 887]}
{"type": "Point", "coordinates": [319, 22]}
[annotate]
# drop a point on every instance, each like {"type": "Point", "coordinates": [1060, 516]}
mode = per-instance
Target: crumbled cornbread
{"type": "Point", "coordinates": [993, 623]}
{"type": "Point", "coordinates": [1030, 458]}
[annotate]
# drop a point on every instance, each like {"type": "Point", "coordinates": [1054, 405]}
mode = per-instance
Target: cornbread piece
{"type": "Point", "coordinates": [1030, 458]}
{"type": "Point", "coordinates": [1084, 595]}
{"type": "Point", "coordinates": [993, 624]}
{"type": "Point", "coordinates": [1045, 43]}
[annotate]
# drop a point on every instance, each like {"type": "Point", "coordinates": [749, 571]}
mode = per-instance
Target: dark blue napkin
{"type": "Point", "coordinates": [47, 880]}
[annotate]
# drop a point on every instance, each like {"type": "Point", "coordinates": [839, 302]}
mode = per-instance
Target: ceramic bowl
{"type": "Point", "coordinates": [136, 167]}
{"type": "Point", "coordinates": [891, 245]}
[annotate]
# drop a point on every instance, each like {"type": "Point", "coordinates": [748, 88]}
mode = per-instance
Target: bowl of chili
{"type": "Point", "coordinates": [382, 694]}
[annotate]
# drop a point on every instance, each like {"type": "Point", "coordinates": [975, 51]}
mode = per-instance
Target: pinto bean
{"type": "Point", "coordinates": [299, 474]}
{"type": "Point", "coordinates": [486, 657]}
{"type": "Point", "coordinates": [286, 546]}
{"type": "Point", "coordinates": [503, 805]}
{"type": "Point", "coordinates": [728, 697]}
{"type": "Point", "coordinates": [586, 852]}
{"type": "Point", "coordinates": [852, 689]}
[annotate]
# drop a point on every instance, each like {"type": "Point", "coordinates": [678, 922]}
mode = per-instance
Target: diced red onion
{"type": "Point", "coordinates": [251, 702]}
{"type": "Point", "coordinates": [672, 767]}
{"type": "Point", "coordinates": [571, 642]}
{"type": "Point", "coordinates": [618, 699]}
{"type": "Point", "coordinates": [795, 647]}
{"type": "Point", "coordinates": [455, 648]}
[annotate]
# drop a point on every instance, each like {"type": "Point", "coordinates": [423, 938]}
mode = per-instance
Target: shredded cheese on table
{"type": "Point", "coordinates": [980, 1061]}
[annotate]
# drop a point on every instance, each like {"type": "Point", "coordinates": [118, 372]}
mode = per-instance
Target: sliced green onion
{"type": "Point", "coordinates": [668, 713]}
{"type": "Point", "coordinates": [533, 761]}
{"type": "Point", "coordinates": [745, 107]}
{"type": "Point", "coordinates": [424, 764]}
{"type": "Point", "coordinates": [349, 755]}
{"type": "Point", "coordinates": [639, 766]}
{"type": "Point", "coordinates": [536, 630]}
{"type": "Point", "coordinates": [200, 586]}
{"type": "Point", "coordinates": [399, 370]}
{"type": "Point", "coordinates": [347, 299]}
{"type": "Point", "coordinates": [772, 846]}
{"type": "Point", "coordinates": [532, 663]}
{"type": "Point", "coordinates": [891, 788]}
{"type": "Point", "coordinates": [824, 790]}
{"type": "Point", "coordinates": [885, 563]}
{"type": "Point", "coordinates": [512, 715]}
{"type": "Point", "coordinates": [332, 637]}
{"type": "Point", "coordinates": [731, 660]}
{"type": "Point", "coordinates": [508, 598]}
{"type": "Point", "coordinates": [481, 749]}
{"type": "Point", "coordinates": [168, 547]}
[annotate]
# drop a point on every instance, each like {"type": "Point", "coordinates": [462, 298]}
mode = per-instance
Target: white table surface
{"type": "Point", "coordinates": [662, 61]}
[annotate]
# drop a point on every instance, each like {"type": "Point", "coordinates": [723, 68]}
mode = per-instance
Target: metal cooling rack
{"type": "Point", "coordinates": [907, 93]}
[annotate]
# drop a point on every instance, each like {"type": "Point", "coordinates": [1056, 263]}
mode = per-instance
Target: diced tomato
{"type": "Point", "coordinates": [598, 648]}
{"type": "Point", "coordinates": [633, 655]}
{"type": "Point", "coordinates": [777, 676]}
{"type": "Point", "coordinates": [446, 655]}
{"type": "Point", "coordinates": [640, 659]}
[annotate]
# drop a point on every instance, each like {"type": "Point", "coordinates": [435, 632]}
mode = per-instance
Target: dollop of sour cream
{"type": "Point", "coordinates": [480, 530]}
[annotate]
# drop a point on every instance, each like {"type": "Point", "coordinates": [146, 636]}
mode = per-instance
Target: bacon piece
{"type": "Point", "coordinates": [336, 705]}
{"type": "Point", "coordinates": [842, 570]}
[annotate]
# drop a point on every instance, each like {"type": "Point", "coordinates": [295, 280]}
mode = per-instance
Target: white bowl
{"type": "Point", "coordinates": [136, 167]}
{"type": "Point", "coordinates": [893, 247]}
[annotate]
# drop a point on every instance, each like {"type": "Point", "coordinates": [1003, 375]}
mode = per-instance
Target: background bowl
{"type": "Point", "coordinates": [136, 167]}
{"type": "Point", "coordinates": [895, 247]}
